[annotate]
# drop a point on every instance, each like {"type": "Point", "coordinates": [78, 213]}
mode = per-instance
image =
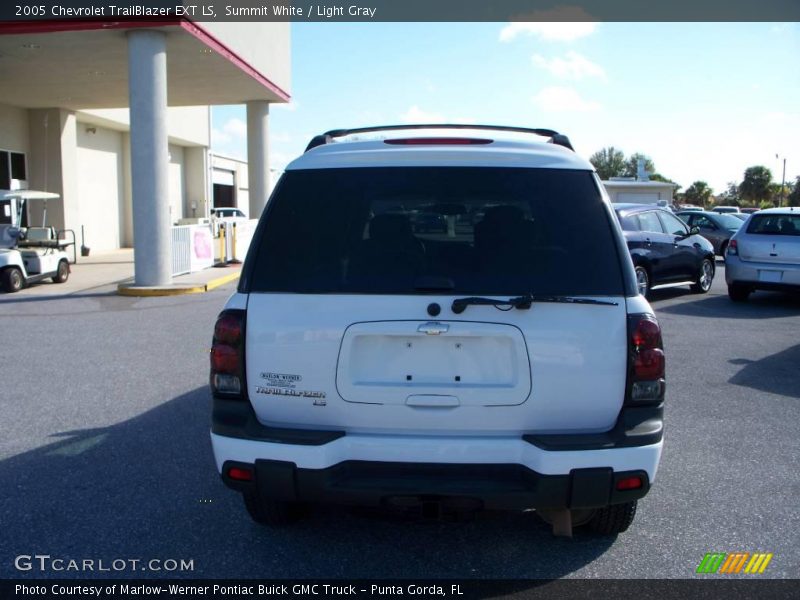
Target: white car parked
{"type": "Point", "coordinates": [504, 362]}
{"type": "Point", "coordinates": [765, 254]}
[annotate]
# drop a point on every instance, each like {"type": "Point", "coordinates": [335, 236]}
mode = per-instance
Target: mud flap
{"type": "Point", "coordinates": [562, 522]}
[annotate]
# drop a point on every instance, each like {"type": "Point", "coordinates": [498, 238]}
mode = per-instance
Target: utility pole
{"type": "Point", "coordinates": [783, 180]}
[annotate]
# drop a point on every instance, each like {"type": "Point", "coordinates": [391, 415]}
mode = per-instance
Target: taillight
{"type": "Point", "coordinates": [227, 354]}
{"type": "Point", "coordinates": [240, 473]}
{"type": "Point", "coordinates": [629, 483]}
{"type": "Point", "coordinates": [645, 359]}
{"type": "Point", "coordinates": [733, 248]}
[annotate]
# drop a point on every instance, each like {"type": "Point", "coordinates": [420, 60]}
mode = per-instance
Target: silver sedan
{"type": "Point", "coordinates": [765, 254]}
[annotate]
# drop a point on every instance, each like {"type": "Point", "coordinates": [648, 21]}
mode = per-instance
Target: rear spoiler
{"type": "Point", "coordinates": [328, 137]}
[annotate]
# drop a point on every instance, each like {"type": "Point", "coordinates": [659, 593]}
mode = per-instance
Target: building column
{"type": "Point", "coordinates": [258, 156]}
{"type": "Point", "coordinates": [147, 81]}
{"type": "Point", "coordinates": [52, 167]}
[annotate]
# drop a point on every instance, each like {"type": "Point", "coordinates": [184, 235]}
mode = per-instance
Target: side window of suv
{"type": "Point", "coordinates": [649, 222]}
{"type": "Point", "coordinates": [672, 224]}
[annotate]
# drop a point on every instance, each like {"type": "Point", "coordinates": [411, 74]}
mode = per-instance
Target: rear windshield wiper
{"type": "Point", "coordinates": [523, 302]}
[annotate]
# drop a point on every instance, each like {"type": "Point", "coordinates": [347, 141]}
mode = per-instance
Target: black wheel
{"type": "Point", "coordinates": [63, 272]}
{"type": "Point", "coordinates": [705, 277]}
{"type": "Point", "coordinates": [273, 513]}
{"type": "Point", "coordinates": [643, 281]}
{"type": "Point", "coordinates": [12, 280]}
{"type": "Point", "coordinates": [738, 292]}
{"type": "Point", "coordinates": [613, 519]}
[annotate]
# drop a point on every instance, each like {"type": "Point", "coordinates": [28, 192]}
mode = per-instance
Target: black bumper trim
{"type": "Point", "coordinates": [787, 288]}
{"type": "Point", "coordinates": [237, 419]}
{"type": "Point", "coordinates": [636, 426]}
{"type": "Point", "coordinates": [490, 486]}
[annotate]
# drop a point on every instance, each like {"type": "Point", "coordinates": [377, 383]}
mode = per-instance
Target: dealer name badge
{"type": "Point", "coordinates": [281, 380]}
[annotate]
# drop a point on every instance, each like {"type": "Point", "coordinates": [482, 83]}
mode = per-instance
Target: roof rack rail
{"type": "Point", "coordinates": [327, 137]}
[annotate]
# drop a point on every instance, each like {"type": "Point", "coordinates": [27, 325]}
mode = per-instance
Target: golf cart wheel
{"type": "Point", "coordinates": [613, 519]}
{"type": "Point", "coordinates": [12, 280]}
{"type": "Point", "coordinates": [63, 272]}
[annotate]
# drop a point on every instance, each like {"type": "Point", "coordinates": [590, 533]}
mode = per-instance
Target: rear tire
{"type": "Point", "coordinates": [12, 280]}
{"type": "Point", "coordinates": [723, 249]}
{"type": "Point", "coordinates": [738, 292]}
{"type": "Point", "coordinates": [704, 278]}
{"type": "Point", "coordinates": [613, 519]}
{"type": "Point", "coordinates": [642, 281]}
{"type": "Point", "coordinates": [62, 274]}
{"type": "Point", "coordinates": [273, 513]}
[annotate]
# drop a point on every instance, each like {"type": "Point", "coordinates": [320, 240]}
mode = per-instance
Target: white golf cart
{"type": "Point", "coordinates": [32, 254]}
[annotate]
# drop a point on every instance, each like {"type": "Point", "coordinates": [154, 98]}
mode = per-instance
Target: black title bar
{"type": "Point", "coordinates": [710, 588]}
{"type": "Point", "coordinates": [405, 10]}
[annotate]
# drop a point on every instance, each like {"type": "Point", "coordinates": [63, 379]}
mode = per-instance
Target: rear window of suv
{"type": "Point", "coordinates": [412, 230]}
{"type": "Point", "coordinates": [774, 224]}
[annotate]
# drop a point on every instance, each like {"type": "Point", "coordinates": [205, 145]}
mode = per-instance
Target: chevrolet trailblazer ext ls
{"type": "Point", "coordinates": [506, 361]}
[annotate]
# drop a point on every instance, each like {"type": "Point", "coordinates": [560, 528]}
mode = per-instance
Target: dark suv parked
{"type": "Point", "coordinates": [665, 252]}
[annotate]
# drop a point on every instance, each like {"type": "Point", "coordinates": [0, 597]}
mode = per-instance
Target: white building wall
{"type": "Point", "coordinates": [52, 165]}
{"type": "Point", "coordinates": [100, 187]}
{"type": "Point", "coordinates": [196, 165]}
{"type": "Point", "coordinates": [177, 185]}
{"type": "Point", "coordinates": [14, 130]}
{"type": "Point", "coordinates": [639, 192]}
{"type": "Point", "coordinates": [127, 193]}
{"type": "Point", "coordinates": [187, 125]}
{"type": "Point", "coordinates": [638, 197]}
{"type": "Point", "coordinates": [265, 46]}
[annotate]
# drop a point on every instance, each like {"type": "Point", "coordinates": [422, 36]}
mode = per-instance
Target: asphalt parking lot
{"type": "Point", "coordinates": [104, 454]}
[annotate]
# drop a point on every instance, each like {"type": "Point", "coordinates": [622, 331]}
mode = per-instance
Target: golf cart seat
{"type": "Point", "coordinates": [36, 242]}
{"type": "Point", "coordinates": [42, 237]}
{"type": "Point", "coordinates": [39, 234]}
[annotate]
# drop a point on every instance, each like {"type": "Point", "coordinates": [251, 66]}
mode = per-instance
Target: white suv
{"type": "Point", "coordinates": [505, 361]}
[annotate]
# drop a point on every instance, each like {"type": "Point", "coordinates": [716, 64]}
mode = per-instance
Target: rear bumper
{"type": "Point", "coordinates": [504, 472]}
{"type": "Point", "coordinates": [437, 450]}
{"type": "Point", "coordinates": [466, 486]}
{"type": "Point", "coordinates": [750, 274]}
{"type": "Point", "coordinates": [491, 473]}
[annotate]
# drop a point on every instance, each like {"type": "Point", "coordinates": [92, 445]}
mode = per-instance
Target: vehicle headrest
{"type": "Point", "coordinates": [390, 227]}
{"type": "Point", "coordinates": [503, 214]}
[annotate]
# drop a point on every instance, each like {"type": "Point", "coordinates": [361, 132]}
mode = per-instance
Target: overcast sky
{"type": "Point", "coordinates": [703, 100]}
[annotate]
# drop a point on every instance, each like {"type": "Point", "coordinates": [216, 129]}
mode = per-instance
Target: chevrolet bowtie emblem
{"type": "Point", "coordinates": [433, 328]}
